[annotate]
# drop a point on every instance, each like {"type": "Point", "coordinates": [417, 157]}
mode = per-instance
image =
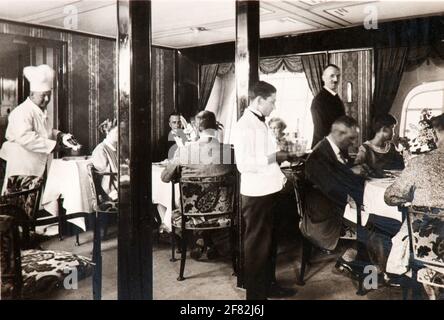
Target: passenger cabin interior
{"type": "Point", "coordinates": [139, 62]}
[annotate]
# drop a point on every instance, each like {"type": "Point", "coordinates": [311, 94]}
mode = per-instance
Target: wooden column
{"type": "Point", "coordinates": [134, 115]}
{"type": "Point", "coordinates": [247, 50]}
{"type": "Point", "coordinates": [247, 73]}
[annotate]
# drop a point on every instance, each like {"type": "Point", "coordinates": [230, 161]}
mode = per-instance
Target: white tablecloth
{"type": "Point", "coordinates": [162, 195]}
{"type": "Point", "coordinates": [374, 202]}
{"type": "Point", "coordinates": [68, 179]}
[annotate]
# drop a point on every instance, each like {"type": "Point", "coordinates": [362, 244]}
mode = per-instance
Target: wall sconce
{"type": "Point", "coordinates": [349, 92]}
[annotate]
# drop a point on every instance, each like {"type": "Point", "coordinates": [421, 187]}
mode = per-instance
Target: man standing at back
{"type": "Point", "coordinates": [261, 179]}
{"type": "Point", "coordinates": [326, 106]}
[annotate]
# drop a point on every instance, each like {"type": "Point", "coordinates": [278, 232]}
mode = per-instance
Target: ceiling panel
{"type": "Point", "coordinates": [175, 22]}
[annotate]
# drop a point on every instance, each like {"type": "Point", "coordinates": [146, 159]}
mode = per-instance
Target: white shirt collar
{"type": "Point", "coordinates": [331, 91]}
{"type": "Point", "coordinates": [335, 148]}
{"type": "Point", "coordinates": [255, 111]}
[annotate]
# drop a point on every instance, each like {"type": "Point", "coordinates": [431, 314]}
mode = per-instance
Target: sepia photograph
{"type": "Point", "coordinates": [220, 153]}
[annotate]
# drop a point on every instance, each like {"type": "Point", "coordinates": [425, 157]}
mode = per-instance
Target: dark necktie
{"type": "Point", "coordinates": [261, 118]}
{"type": "Point", "coordinates": [344, 156]}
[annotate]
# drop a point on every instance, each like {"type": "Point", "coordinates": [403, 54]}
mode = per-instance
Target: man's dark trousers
{"type": "Point", "coordinates": [257, 213]}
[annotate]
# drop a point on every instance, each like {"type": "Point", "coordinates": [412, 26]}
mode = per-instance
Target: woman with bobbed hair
{"type": "Point", "coordinates": [277, 127]}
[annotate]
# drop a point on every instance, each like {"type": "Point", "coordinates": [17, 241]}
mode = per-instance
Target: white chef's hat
{"type": "Point", "coordinates": [41, 78]}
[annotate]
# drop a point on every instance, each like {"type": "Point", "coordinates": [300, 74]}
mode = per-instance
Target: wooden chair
{"type": "Point", "coordinates": [426, 235]}
{"type": "Point", "coordinates": [300, 187]}
{"type": "Point", "coordinates": [31, 274]}
{"type": "Point", "coordinates": [31, 218]}
{"type": "Point", "coordinates": [206, 203]}
{"type": "Point", "coordinates": [103, 207]}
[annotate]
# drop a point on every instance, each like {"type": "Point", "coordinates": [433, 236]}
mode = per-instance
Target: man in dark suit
{"type": "Point", "coordinates": [332, 182]}
{"type": "Point", "coordinates": [326, 106]}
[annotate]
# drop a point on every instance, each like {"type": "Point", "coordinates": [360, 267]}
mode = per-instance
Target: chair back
{"type": "Point", "coordinates": [207, 196]}
{"type": "Point", "coordinates": [101, 201]}
{"type": "Point", "coordinates": [10, 260]}
{"type": "Point", "coordinates": [426, 233]}
{"type": "Point", "coordinates": [24, 192]}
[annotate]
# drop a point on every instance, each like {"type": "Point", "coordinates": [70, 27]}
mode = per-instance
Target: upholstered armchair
{"type": "Point", "coordinates": [426, 235]}
{"type": "Point", "coordinates": [206, 203]}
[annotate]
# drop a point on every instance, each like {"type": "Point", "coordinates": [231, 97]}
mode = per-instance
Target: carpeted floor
{"type": "Point", "coordinates": [212, 279]}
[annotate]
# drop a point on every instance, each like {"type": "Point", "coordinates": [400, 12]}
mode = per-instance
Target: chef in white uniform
{"type": "Point", "coordinates": [30, 139]}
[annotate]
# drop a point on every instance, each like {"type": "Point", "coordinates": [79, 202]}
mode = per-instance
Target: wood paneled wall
{"type": "Point", "coordinates": [90, 76]}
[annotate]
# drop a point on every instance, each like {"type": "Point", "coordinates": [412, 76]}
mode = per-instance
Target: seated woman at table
{"type": "Point", "coordinates": [421, 183]}
{"type": "Point", "coordinates": [277, 127]}
{"type": "Point", "coordinates": [104, 157]}
{"type": "Point", "coordinates": [379, 153]}
{"type": "Point", "coordinates": [202, 158]}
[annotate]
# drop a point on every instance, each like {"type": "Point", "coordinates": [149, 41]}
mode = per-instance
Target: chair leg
{"type": "Point", "coordinates": [173, 244]}
{"type": "Point", "coordinates": [233, 251]}
{"type": "Point", "coordinates": [97, 260]}
{"type": "Point", "coordinates": [105, 219]}
{"type": "Point", "coordinates": [183, 255]}
{"type": "Point", "coordinates": [77, 244]}
{"type": "Point", "coordinates": [306, 253]}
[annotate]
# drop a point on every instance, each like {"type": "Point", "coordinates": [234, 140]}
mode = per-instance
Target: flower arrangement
{"type": "Point", "coordinates": [425, 140]}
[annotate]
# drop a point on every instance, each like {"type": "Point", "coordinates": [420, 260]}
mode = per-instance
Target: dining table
{"type": "Point", "coordinates": [373, 201]}
{"type": "Point", "coordinates": [162, 195]}
{"type": "Point", "coordinates": [67, 179]}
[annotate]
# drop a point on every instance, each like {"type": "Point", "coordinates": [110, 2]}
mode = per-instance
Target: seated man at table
{"type": "Point", "coordinates": [332, 182]}
{"type": "Point", "coordinates": [204, 157]}
{"type": "Point", "coordinates": [104, 158]}
{"type": "Point", "coordinates": [421, 184]}
{"type": "Point", "coordinates": [379, 153]}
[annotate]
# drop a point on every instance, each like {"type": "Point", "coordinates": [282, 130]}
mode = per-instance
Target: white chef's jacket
{"type": "Point", "coordinates": [29, 141]}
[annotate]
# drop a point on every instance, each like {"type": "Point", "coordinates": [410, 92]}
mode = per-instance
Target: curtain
{"type": "Point", "coordinates": [223, 103]}
{"type": "Point", "coordinates": [389, 66]}
{"type": "Point", "coordinates": [418, 55]}
{"type": "Point", "coordinates": [313, 64]}
{"type": "Point", "coordinates": [162, 96]}
{"type": "Point", "coordinates": [208, 73]}
{"type": "Point", "coordinates": [271, 65]}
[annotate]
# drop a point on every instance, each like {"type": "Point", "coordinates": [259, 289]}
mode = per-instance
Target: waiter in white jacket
{"type": "Point", "coordinates": [30, 139]}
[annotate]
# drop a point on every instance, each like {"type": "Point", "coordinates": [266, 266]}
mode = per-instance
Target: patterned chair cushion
{"type": "Point", "coordinates": [431, 276]}
{"type": "Point", "coordinates": [201, 223]}
{"type": "Point", "coordinates": [44, 270]}
{"type": "Point", "coordinates": [200, 196]}
{"type": "Point", "coordinates": [428, 236]}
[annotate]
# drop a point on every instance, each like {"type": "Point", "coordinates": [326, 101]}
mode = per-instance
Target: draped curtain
{"type": "Point", "coordinates": [208, 73]}
{"type": "Point", "coordinates": [313, 64]}
{"type": "Point", "coordinates": [389, 67]}
{"type": "Point", "coordinates": [272, 65]}
{"type": "Point", "coordinates": [417, 55]}
{"type": "Point", "coordinates": [162, 96]}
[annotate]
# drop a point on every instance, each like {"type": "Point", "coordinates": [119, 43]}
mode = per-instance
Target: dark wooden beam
{"type": "Point", "coordinates": [247, 50]}
{"type": "Point", "coordinates": [134, 115]}
{"type": "Point", "coordinates": [247, 73]}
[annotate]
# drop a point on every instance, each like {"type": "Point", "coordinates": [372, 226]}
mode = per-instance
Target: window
{"type": "Point", "coordinates": [428, 95]}
{"type": "Point", "coordinates": [293, 101]}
